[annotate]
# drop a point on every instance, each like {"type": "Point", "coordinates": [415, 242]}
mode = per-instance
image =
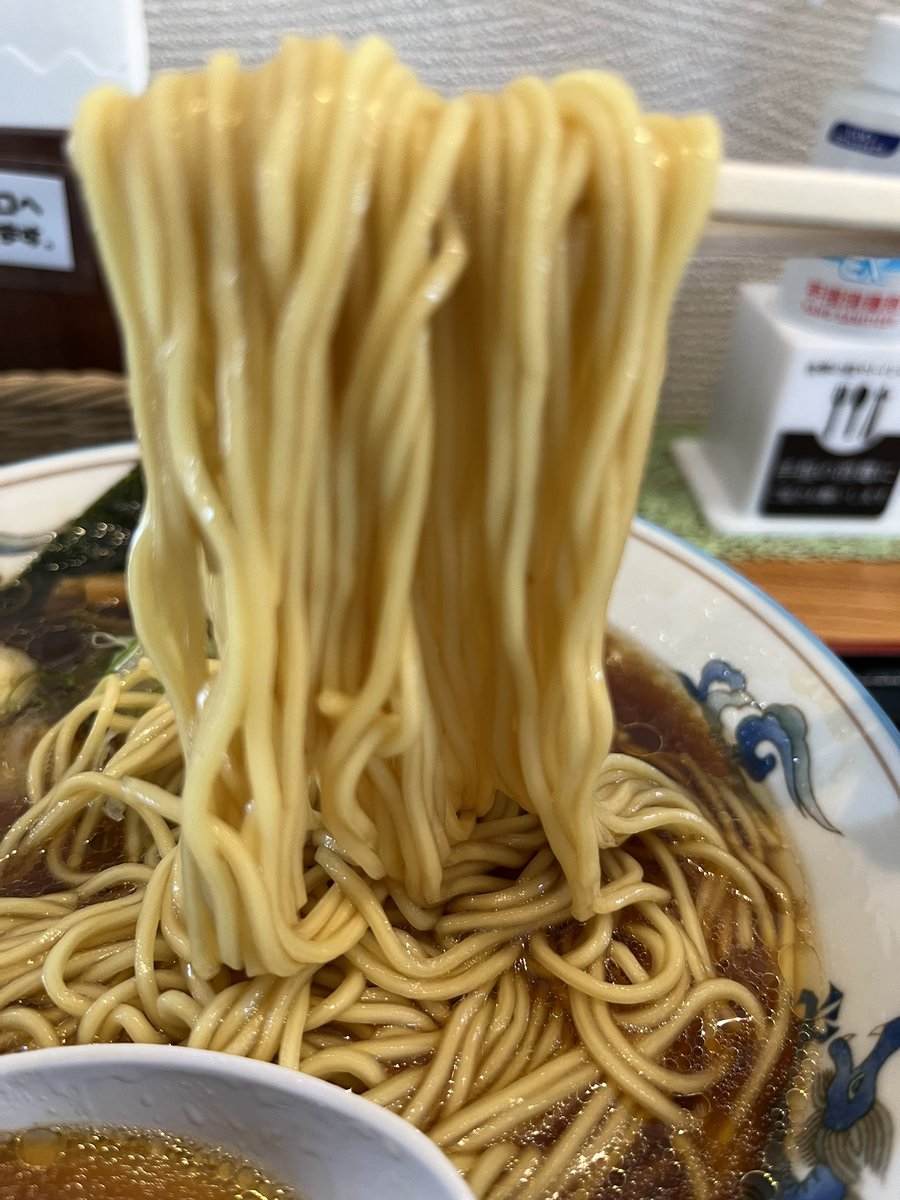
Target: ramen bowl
{"type": "Point", "coordinates": [798, 725]}
{"type": "Point", "coordinates": [321, 1140]}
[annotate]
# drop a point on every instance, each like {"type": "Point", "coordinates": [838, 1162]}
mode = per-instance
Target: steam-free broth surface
{"type": "Point", "coordinates": [122, 1164]}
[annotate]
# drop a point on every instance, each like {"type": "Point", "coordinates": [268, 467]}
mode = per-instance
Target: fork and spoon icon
{"type": "Point", "coordinates": [854, 415]}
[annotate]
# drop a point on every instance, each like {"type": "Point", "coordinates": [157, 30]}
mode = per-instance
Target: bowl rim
{"type": "Point", "coordinates": [125, 453]}
{"type": "Point", "coordinates": [764, 601]}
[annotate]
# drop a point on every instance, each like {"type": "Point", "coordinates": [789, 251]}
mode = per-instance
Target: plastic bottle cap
{"type": "Point", "coordinates": [882, 65]}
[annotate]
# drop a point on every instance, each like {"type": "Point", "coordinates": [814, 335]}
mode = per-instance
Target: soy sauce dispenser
{"type": "Point", "coordinates": [55, 312]}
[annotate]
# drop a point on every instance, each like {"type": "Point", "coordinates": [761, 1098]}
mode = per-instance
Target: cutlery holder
{"type": "Point", "coordinates": [804, 429]}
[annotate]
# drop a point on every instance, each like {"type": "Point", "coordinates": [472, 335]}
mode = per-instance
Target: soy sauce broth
{"type": "Point", "coordinates": [126, 1164]}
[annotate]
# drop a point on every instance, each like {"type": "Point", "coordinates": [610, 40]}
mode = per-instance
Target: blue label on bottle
{"type": "Point", "coordinates": [863, 141]}
{"type": "Point", "coordinates": [869, 271]}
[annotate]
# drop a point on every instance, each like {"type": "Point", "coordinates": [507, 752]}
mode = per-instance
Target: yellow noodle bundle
{"type": "Point", "coordinates": [394, 362]}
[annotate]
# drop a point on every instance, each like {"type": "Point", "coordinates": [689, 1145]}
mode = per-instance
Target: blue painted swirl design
{"type": "Point", "coordinates": [766, 737]}
{"type": "Point", "coordinates": [848, 1131]}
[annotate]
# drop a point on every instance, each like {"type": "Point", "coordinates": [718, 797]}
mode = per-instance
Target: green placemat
{"type": "Point", "coordinates": [666, 500]}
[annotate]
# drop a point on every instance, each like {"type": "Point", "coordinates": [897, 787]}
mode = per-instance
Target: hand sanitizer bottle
{"type": "Point", "coordinates": [860, 126]}
{"type": "Point", "coordinates": [860, 131]}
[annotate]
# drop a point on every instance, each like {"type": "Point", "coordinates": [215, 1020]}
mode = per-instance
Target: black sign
{"type": "Point", "coordinates": [808, 480]}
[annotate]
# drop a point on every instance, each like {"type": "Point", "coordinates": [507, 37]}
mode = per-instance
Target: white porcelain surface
{"type": "Point", "coordinates": [689, 611]}
{"type": "Point", "coordinates": [318, 1138]}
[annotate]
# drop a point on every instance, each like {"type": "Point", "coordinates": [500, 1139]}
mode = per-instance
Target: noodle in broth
{"type": "Point", "coordinates": [394, 362]}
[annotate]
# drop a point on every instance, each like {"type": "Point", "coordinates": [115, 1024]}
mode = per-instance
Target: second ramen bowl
{"type": "Point", "coordinates": [326, 1143]}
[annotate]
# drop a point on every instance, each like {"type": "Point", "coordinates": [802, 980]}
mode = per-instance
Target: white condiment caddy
{"type": "Point", "coordinates": [804, 429]}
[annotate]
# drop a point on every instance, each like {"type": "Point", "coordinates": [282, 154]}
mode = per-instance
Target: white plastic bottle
{"type": "Point", "coordinates": [860, 126]}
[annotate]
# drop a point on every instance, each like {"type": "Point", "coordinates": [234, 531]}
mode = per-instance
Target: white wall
{"type": "Point", "coordinates": [762, 66]}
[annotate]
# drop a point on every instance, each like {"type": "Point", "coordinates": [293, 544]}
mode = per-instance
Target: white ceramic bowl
{"type": "Point", "coordinates": [318, 1138]}
{"type": "Point", "coordinates": [801, 723]}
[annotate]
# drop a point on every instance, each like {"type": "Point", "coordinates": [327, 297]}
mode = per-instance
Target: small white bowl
{"type": "Point", "coordinates": [323, 1141]}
